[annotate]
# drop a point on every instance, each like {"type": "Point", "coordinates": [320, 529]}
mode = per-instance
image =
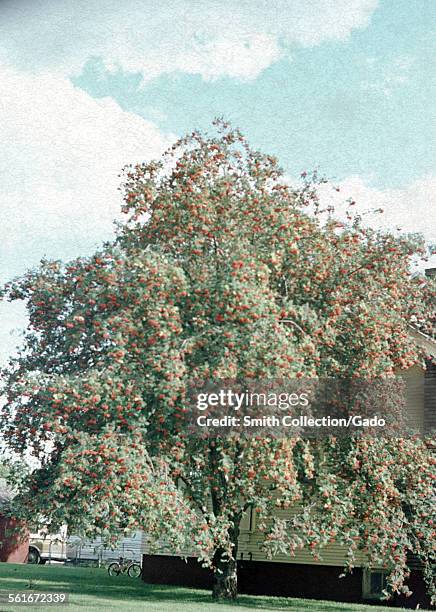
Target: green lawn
{"type": "Point", "coordinates": [92, 589]}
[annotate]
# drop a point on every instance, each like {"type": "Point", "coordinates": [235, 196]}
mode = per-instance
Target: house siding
{"type": "Point", "coordinates": [430, 398]}
{"type": "Point", "coordinates": [414, 379]}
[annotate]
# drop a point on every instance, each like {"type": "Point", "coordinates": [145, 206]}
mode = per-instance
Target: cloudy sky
{"type": "Point", "coordinates": [346, 86]}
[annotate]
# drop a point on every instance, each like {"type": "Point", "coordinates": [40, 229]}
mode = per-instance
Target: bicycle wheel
{"type": "Point", "coordinates": [114, 569]}
{"type": "Point", "coordinates": [134, 570]}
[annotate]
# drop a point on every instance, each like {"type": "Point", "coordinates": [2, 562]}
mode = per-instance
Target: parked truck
{"type": "Point", "coordinates": [45, 546]}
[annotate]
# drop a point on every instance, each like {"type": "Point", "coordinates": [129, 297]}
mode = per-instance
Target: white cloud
{"type": "Point", "coordinates": [210, 38]}
{"type": "Point", "coordinates": [13, 320]}
{"type": "Point", "coordinates": [61, 155]}
{"type": "Point", "coordinates": [410, 209]}
{"type": "Point", "coordinates": [387, 77]}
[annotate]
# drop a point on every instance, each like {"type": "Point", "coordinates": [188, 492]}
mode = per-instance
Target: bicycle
{"type": "Point", "coordinates": [124, 566]}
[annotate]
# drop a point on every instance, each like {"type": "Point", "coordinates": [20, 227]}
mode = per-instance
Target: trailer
{"type": "Point", "coordinates": [81, 550]}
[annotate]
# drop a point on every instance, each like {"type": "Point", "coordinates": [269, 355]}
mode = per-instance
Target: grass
{"type": "Point", "coordinates": [91, 589]}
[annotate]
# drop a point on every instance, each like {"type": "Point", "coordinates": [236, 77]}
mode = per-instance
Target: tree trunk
{"type": "Point", "coordinates": [225, 579]}
{"type": "Point", "coordinates": [225, 567]}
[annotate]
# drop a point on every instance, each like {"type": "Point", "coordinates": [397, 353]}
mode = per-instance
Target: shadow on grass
{"type": "Point", "coordinates": [95, 582]}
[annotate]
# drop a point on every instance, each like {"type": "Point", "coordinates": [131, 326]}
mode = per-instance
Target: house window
{"type": "Point", "coordinates": [374, 583]}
